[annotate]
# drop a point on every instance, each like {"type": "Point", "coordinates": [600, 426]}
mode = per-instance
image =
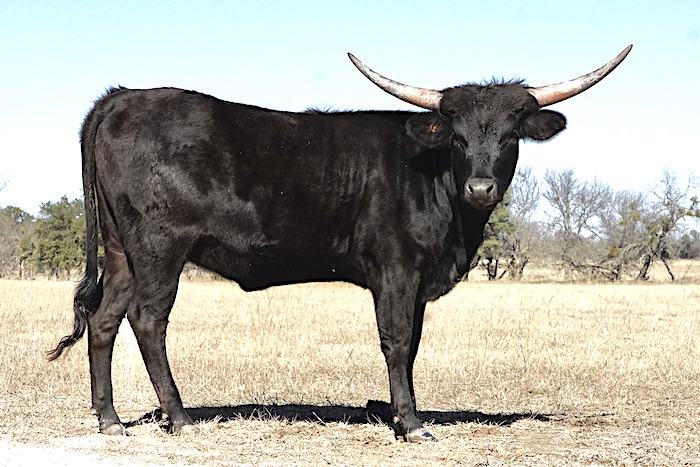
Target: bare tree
{"type": "Point", "coordinates": [671, 205]}
{"type": "Point", "coordinates": [526, 234]}
{"type": "Point", "coordinates": [576, 204]}
{"type": "Point", "coordinates": [525, 195]}
{"type": "Point", "coordinates": [624, 233]}
{"type": "Point", "coordinates": [575, 208]}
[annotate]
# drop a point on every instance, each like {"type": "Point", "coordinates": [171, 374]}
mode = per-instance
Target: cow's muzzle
{"type": "Point", "coordinates": [481, 193]}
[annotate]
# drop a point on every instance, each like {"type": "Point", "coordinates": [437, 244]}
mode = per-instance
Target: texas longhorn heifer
{"type": "Point", "coordinates": [392, 201]}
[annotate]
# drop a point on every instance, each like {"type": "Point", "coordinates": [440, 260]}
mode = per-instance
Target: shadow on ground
{"type": "Point", "coordinates": [373, 412]}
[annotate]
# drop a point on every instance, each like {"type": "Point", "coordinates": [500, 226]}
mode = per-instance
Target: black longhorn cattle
{"type": "Point", "coordinates": [392, 201]}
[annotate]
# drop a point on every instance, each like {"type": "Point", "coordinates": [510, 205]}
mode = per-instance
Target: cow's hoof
{"type": "Point", "coordinates": [187, 430]}
{"type": "Point", "coordinates": [419, 435]}
{"type": "Point", "coordinates": [116, 429]}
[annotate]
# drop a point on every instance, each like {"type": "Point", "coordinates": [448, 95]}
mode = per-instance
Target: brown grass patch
{"type": "Point", "coordinates": [516, 374]}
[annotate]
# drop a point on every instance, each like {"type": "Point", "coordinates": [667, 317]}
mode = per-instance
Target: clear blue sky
{"type": "Point", "coordinates": [58, 56]}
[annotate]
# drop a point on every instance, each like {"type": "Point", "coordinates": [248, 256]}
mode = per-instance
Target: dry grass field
{"type": "Point", "coordinates": [507, 374]}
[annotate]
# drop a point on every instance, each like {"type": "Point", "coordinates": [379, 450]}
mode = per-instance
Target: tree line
{"type": "Point", "coordinates": [585, 228]}
{"type": "Point", "coordinates": [50, 244]}
{"type": "Point", "coordinates": [589, 230]}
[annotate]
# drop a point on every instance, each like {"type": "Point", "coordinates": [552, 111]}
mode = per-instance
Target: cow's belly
{"type": "Point", "coordinates": [260, 267]}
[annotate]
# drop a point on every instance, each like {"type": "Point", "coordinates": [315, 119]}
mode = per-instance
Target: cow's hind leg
{"type": "Point", "coordinates": [103, 326]}
{"type": "Point", "coordinates": [156, 287]}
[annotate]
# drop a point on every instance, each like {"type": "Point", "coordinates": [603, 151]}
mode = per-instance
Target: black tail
{"type": "Point", "coordinates": [88, 293]}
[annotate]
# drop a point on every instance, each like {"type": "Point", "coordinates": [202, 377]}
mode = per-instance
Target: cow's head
{"type": "Point", "coordinates": [482, 124]}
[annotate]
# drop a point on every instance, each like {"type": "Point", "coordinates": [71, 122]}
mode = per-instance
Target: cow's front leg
{"type": "Point", "coordinates": [399, 318]}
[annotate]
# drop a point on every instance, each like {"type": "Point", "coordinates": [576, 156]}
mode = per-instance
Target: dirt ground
{"type": "Point", "coordinates": [600, 440]}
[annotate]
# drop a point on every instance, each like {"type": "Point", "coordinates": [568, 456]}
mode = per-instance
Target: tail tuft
{"type": "Point", "coordinates": [88, 295]}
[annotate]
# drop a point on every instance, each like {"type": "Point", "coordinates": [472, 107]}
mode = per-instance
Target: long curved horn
{"type": "Point", "coordinates": [548, 95]}
{"type": "Point", "coordinates": [425, 98]}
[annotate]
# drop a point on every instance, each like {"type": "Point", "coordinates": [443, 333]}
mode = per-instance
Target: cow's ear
{"type": "Point", "coordinates": [542, 125]}
{"type": "Point", "coordinates": [429, 129]}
